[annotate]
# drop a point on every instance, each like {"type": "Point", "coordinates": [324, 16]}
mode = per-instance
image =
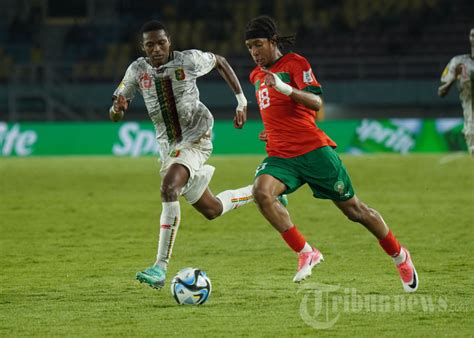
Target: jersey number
{"type": "Point", "coordinates": [263, 98]}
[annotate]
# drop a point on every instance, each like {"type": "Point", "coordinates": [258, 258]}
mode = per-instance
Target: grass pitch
{"type": "Point", "coordinates": [74, 231]}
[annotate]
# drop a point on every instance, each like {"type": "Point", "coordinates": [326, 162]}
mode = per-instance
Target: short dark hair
{"type": "Point", "coordinates": [151, 26]}
{"type": "Point", "coordinates": [266, 24]}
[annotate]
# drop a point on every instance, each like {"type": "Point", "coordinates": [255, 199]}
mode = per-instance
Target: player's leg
{"type": "Point", "coordinates": [198, 194]}
{"type": "Point", "coordinates": [468, 129]}
{"type": "Point", "coordinates": [328, 178]}
{"type": "Point", "coordinates": [357, 211]}
{"type": "Point", "coordinates": [214, 206]}
{"type": "Point", "coordinates": [266, 191]}
{"type": "Point", "coordinates": [172, 183]}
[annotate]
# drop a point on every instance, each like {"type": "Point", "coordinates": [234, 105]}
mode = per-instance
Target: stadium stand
{"type": "Point", "coordinates": [46, 53]}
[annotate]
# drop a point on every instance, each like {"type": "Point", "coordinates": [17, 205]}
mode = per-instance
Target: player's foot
{"type": "Point", "coordinates": [153, 276]}
{"type": "Point", "coordinates": [306, 262]}
{"type": "Point", "coordinates": [408, 273]}
{"type": "Point", "coordinates": [283, 200]}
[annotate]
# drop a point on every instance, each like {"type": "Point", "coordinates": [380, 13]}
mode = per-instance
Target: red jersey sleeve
{"type": "Point", "coordinates": [303, 76]}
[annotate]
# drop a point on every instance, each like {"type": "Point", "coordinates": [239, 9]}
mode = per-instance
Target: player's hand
{"type": "Point", "coordinates": [443, 90]}
{"type": "Point", "coordinates": [241, 111]}
{"type": "Point", "coordinates": [118, 108]}
{"type": "Point", "coordinates": [240, 118]}
{"type": "Point", "coordinates": [262, 136]}
{"type": "Point", "coordinates": [271, 80]}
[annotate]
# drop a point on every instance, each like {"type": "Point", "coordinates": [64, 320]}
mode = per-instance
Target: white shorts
{"type": "Point", "coordinates": [193, 156]}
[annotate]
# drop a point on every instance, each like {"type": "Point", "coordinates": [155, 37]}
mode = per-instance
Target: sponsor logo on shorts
{"type": "Point", "coordinates": [339, 187]}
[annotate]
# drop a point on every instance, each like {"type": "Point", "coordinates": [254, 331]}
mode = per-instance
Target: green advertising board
{"type": "Point", "coordinates": [138, 138]}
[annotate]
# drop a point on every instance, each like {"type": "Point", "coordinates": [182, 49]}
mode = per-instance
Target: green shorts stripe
{"type": "Point", "coordinates": [321, 169]}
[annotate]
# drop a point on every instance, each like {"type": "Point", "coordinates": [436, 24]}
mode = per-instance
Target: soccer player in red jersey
{"type": "Point", "coordinates": [288, 96]}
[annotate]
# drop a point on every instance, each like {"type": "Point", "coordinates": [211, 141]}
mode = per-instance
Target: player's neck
{"type": "Point", "coordinates": [275, 58]}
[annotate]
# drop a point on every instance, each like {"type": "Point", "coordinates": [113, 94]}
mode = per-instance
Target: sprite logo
{"type": "Point", "coordinates": [16, 142]}
{"type": "Point", "coordinates": [134, 141]}
{"type": "Point", "coordinates": [384, 136]}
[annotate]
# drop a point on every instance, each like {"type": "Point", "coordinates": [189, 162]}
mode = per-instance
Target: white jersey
{"type": "Point", "coordinates": [171, 95]}
{"type": "Point", "coordinates": [465, 80]}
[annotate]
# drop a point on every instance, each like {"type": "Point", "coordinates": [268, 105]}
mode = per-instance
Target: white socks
{"type": "Point", "coordinates": [171, 217]}
{"type": "Point", "coordinates": [169, 223]}
{"type": "Point", "coordinates": [232, 199]}
{"type": "Point", "coordinates": [401, 257]}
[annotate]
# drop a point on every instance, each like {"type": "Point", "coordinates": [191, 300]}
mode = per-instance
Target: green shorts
{"type": "Point", "coordinates": [321, 168]}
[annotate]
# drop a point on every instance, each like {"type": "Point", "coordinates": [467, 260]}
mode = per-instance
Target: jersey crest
{"type": "Point", "coordinates": [180, 74]}
{"type": "Point", "coordinates": [145, 81]}
{"type": "Point", "coordinates": [307, 76]}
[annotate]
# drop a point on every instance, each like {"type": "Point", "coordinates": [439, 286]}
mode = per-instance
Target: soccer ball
{"type": "Point", "coordinates": [191, 286]}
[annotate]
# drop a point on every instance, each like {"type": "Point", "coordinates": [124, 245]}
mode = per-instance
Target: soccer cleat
{"type": "Point", "coordinates": [153, 276]}
{"type": "Point", "coordinates": [408, 274]}
{"type": "Point", "coordinates": [306, 262]}
{"type": "Point", "coordinates": [283, 200]}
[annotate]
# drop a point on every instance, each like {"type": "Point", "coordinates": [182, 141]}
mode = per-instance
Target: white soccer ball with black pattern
{"type": "Point", "coordinates": [191, 286]}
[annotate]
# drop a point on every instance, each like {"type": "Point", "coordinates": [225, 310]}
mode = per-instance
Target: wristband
{"type": "Point", "coordinates": [113, 111]}
{"type": "Point", "coordinates": [241, 101]}
{"type": "Point", "coordinates": [282, 87]}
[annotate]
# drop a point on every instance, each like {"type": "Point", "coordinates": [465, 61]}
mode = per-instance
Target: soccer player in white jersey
{"type": "Point", "coordinates": [461, 68]}
{"type": "Point", "coordinates": [167, 81]}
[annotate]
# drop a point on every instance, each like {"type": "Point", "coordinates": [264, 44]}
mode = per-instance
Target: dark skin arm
{"type": "Point", "coordinates": [118, 108]}
{"type": "Point", "coordinates": [229, 76]}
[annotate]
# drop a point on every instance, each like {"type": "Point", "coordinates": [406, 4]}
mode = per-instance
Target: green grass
{"type": "Point", "coordinates": [74, 231]}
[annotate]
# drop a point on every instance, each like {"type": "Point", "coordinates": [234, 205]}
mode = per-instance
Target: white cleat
{"type": "Point", "coordinates": [306, 262]}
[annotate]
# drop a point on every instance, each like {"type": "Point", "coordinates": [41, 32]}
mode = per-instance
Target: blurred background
{"type": "Point", "coordinates": [61, 60]}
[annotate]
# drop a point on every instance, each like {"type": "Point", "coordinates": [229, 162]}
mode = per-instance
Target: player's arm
{"type": "Point", "coordinates": [119, 106]}
{"type": "Point", "coordinates": [444, 88]}
{"type": "Point", "coordinates": [309, 100]}
{"type": "Point", "coordinates": [229, 76]}
{"type": "Point", "coordinates": [124, 94]}
{"type": "Point", "coordinates": [446, 85]}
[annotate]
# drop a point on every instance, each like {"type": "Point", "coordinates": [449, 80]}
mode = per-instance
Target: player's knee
{"type": "Point", "coordinates": [262, 196]}
{"type": "Point", "coordinates": [169, 192]}
{"type": "Point", "coordinates": [211, 214]}
{"type": "Point", "coordinates": [354, 213]}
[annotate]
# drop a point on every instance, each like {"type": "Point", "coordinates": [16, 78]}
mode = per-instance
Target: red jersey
{"type": "Point", "coordinates": [291, 128]}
